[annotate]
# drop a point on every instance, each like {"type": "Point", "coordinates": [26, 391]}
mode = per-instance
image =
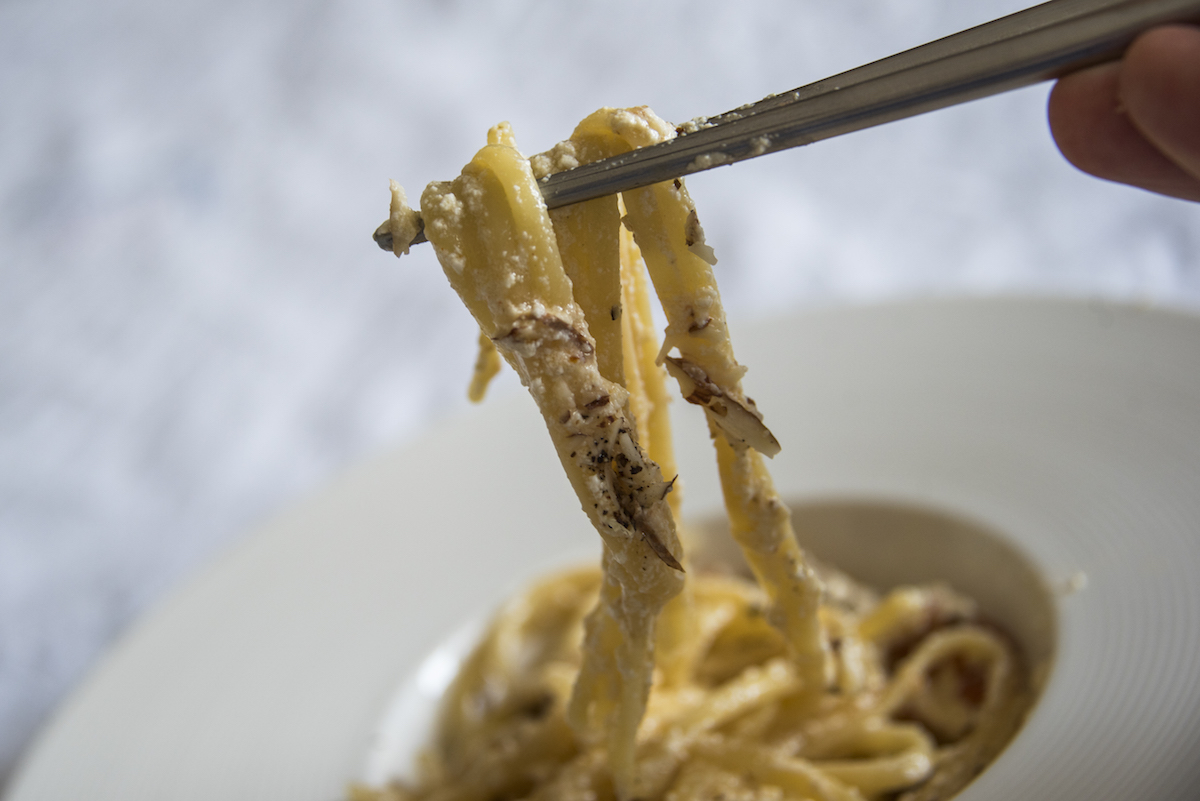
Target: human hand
{"type": "Point", "coordinates": [1137, 121]}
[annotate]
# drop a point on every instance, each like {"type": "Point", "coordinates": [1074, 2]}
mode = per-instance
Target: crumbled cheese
{"type": "Point", "coordinates": [694, 124]}
{"type": "Point", "coordinates": [562, 156]}
{"type": "Point", "coordinates": [693, 237]}
{"type": "Point", "coordinates": [501, 134]}
{"type": "Point", "coordinates": [707, 160]}
{"type": "Point", "coordinates": [403, 222]}
{"type": "Point", "coordinates": [640, 127]}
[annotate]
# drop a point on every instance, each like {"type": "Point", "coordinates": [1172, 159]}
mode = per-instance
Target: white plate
{"type": "Point", "coordinates": [1071, 427]}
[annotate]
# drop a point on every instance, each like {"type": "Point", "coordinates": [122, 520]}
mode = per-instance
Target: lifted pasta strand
{"type": "Point", "coordinates": [587, 239]}
{"type": "Point", "coordinates": [676, 652]}
{"type": "Point", "coordinates": [761, 524]}
{"type": "Point", "coordinates": [610, 285]}
{"type": "Point", "coordinates": [663, 220]}
{"type": "Point", "coordinates": [742, 708]}
{"type": "Point", "coordinates": [487, 365]}
{"type": "Point", "coordinates": [494, 238]}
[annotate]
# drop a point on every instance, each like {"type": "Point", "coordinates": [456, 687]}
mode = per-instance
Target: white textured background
{"type": "Point", "coordinates": [195, 326]}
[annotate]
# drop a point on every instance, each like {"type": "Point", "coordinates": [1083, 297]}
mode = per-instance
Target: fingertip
{"type": "Point", "coordinates": [1159, 85]}
{"type": "Point", "coordinates": [1093, 132]}
{"type": "Point", "coordinates": [1090, 124]}
{"type": "Point", "coordinates": [1081, 104]}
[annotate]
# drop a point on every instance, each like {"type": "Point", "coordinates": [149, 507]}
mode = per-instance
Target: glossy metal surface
{"type": "Point", "coordinates": [1038, 44]}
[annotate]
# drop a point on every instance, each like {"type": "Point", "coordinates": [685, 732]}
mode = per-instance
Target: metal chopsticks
{"type": "Point", "coordinates": [1037, 44]}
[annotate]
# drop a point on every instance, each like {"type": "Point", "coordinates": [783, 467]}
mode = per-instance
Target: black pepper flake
{"type": "Point", "coordinates": [670, 486]}
{"type": "Point", "coordinates": [661, 551]}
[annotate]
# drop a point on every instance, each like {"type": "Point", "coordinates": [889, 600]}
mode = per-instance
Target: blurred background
{"type": "Point", "coordinates": [196, 329]}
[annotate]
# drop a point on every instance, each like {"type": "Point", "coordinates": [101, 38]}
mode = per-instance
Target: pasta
{"type": "Point", "coordinates": [628, 682]}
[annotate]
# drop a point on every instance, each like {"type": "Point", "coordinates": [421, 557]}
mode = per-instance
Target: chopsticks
{"type": "Point", "coordinates": [1038, 44]}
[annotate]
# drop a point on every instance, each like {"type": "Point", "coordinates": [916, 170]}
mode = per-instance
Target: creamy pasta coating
{"type": "Point", "coordinates": [628, 682]}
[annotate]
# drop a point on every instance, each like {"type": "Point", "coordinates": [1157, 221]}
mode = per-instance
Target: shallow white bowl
{"type": "Point", "coordinates": [1071, 428]}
